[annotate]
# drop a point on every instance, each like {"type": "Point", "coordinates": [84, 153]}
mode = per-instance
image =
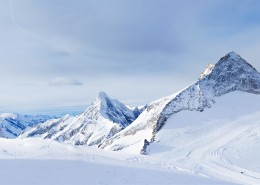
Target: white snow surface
{"type": "Point", "coordinates": [223, 141]}
{"type": "Point", "coordinates": [36, 161]}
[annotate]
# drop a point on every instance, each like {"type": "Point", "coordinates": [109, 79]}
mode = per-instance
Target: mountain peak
{"type": "Point", "coordinates": [232, 73]}
{"type": "Point", "coordinates": [233, 55]}
{"type": "Point", "coordinates": [103, 100]}
{"type": "Point", "coordinates": [111, 109]}
{"type": "Point", "coordinates": [231, 64]}
{"type": "Point", "coordinates": [102, 94]}
{"type": "Point", "coordinates": [235, 60]}
{"type": "Point", "coordinates": [232, 60]}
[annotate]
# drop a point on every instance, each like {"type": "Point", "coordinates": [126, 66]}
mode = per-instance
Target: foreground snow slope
{"type": "Point", "coordinates": [35, 161]}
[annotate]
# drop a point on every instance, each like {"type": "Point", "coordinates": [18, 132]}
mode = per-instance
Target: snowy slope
{"type": "Point", "coordinates": [49, 128]}
{"type": "Point", "coordinates": [46, 162]}
{"type": "Point", "coordinates": [231, 73]}
{"type": "Point", "coordinates": [102, 119]}
{"type": "Point", "coordinates": [222, 142]}
{"type": "Point", "coordinates": [11, 125]}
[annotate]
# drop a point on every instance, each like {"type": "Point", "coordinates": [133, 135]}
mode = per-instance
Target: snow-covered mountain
{"type": "Point", "coordinates": [102, 119]}
{"type": "Point", "coordinates": [11, 125]}
{"type": "Point", "coordinates": [210, 128]}
{"type": "Point", "coordinates": [231, 73]}
{"type": "Point", "coordinates": [49, 128]}
{"type": "Point", "coordinates": [109, 124]}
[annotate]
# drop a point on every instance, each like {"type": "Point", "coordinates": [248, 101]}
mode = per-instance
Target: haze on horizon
{"type": "Point", "coordinates": [57, 55]}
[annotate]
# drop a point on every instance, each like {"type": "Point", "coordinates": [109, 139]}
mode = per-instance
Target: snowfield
{"type": "Point", "coordinates": [46, 162]}
{"type": "Point", "coordinates": [222, 142]}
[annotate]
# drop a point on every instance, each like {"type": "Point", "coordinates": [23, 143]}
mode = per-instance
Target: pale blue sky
{"type": "Point", "coordinates": [58, 54]}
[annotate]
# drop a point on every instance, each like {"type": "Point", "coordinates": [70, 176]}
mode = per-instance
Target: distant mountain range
{"type": "Point", "coordinates": [12, 124]}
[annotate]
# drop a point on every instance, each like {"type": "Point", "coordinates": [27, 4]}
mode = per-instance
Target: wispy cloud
{"type": "Point", "coordinates": [61, 81]}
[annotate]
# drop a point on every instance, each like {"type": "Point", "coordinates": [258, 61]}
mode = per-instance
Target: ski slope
{"type": "Point", "coordinates": [46, 162]}
{"type": "Point", "coordinates": [221, 142]}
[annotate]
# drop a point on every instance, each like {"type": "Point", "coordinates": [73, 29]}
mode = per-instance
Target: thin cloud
{"type": "Point", "coordinates": [62, 81]}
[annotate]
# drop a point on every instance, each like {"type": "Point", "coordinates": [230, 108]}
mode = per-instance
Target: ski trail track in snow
{"type": "Point", "coordinates": [218, 163]}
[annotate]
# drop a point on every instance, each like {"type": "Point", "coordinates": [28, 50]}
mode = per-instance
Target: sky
{"type": "Point", "coordinates": [56, 55]}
